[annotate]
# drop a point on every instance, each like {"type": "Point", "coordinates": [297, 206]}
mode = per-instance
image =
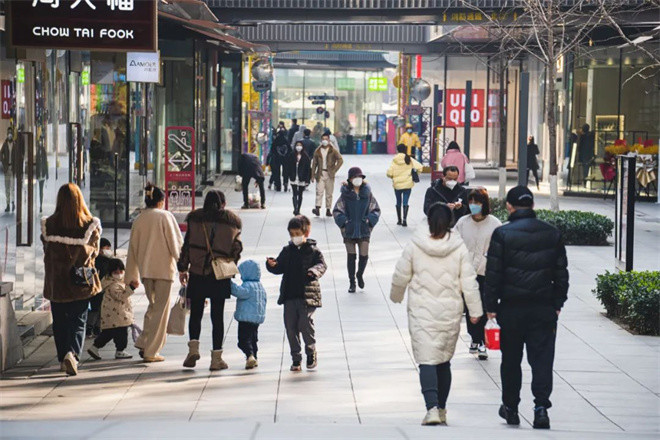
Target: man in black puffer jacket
{"type": "Point", "coordinates": [526, 287]}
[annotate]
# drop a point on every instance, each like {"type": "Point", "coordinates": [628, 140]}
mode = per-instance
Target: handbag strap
{"type": "Point", "coordinates": [208, 243]}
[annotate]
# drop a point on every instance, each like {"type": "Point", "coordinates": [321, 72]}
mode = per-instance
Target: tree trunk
{"type": "Point", "coordinates": [503, 127]}
{"type": "Point", "coordinates": [551, 120]}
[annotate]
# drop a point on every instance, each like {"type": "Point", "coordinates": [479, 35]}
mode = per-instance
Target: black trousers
{"type": "Point", "coordinates": [278, 176]}
{"type": "Point", "coordinates": [69, 326]}
{"type": "Point", "coordinates": [535, 172]}
{"type": "Point", "coordinates": [248, 336]}
{"type": "Point", "coordinates": [476, 331]}
{"type": "Point", "coordinates": [202, 287]}
{"type": "Point", "coordinates": [118, 334]}
{"type": "Point", "coordinates": [533, 327]}
{"type": "Point", "coordinates": [297, 191]}
{"type": "Point", "coordinates": [436, 383]}
{"type": "Point", "coordinates": [246, 190]}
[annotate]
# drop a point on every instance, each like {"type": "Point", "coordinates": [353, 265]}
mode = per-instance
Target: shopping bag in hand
{"type": "Point", "coordinates": [176, 325]}
{"type": "Point", "coordinates": [136, 331]}
{"type": "Point", "coordinates": [492, 335]}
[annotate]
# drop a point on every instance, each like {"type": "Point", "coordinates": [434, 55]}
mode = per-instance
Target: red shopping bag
{"type": "Point", "coordinates": [492, 335]}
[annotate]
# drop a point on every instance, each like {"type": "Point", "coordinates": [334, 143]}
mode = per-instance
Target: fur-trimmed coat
{"type": "Point", "coordinates": [64, 249]}
{"type": "Point", "coordinates": [224, 233]}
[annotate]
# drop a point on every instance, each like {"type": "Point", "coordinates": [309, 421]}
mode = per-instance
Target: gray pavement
{"type": "Point", "coordinates": [607, 382]}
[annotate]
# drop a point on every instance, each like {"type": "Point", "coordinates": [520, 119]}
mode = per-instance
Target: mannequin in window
{"type": "Point", "coordinates": [41, 170]}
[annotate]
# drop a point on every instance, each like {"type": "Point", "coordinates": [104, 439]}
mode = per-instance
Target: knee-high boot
{"type": "Point", "coordinates": [405, 216]}
{"type": "Point", "coordinates": [398, 214]}
{"type": "Point", "coordinates": [362, 265]}
{"type": "Point", "coordinates": [350, 265]}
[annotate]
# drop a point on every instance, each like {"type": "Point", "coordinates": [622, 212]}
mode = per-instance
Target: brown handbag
{"type": "Point", "coordinates": [223, 268]}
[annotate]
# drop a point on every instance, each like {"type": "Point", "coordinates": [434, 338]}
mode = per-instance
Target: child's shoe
{"type": "Point", "coordinates": [311, 361]}
{"type": "Point", "coordinates": [250, 363]}
{"type": "Point", "coordinates": [216, 361]}
{"type": "Point", "coordinates": [193, 354]}
{"type": "Point", "coordinates": [121, 354]}
{"type": "Point", "coordinates": [295, 366]}
{"type": "Point", "coordinates": [93, 351]}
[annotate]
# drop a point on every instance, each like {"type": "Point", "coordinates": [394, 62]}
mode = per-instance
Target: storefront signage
{"type": "Point", "coordinates": [377, 84]}
{"type": "Point", "coordinates": [143, 67]}
{"type": "Point", "coordinates": [180, 170]}
{"type": "Point", "coordinates": [20, 74]}
{"type": "Point", "coordinates": [456, 108]}
{"type": "Point", "coordinates": [413, 110]}
{"type": "Point", "coordinates": [6, 98]}
{"type": "Point", "coordinates": [84, 77]}
{"type": "Point", "coordinates": [261, 86]}
{"type": "Point", "coordinates": [111, 25]}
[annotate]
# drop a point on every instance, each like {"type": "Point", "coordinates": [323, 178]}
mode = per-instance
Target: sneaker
{"type": "Point", "coordinates": [328, 213]}
{"type": "Point", "coordinates": [311, 361]}
{"type": "Point", "coordinates": [483, 353]}
{"type": "Point", "coordinates": [70, 364]}
{"type": "Point", "coordinates": [541, 418]}
{"type": "Point", "coordinates": [474, 347]}
{"type": "Point", "coordinates": [295, 366]}
{"type": "Point", "coordinates": [121, 354]}
{"type": "Point", "coordinates": [510, 415]}
{"type": "Point", "coordinates": [245, 206]}
{"type": "Point", "coordinates": [93, 351]}
{"type": "Point", "coordinates": [432, 417]}
{"type": "Point", "coordinates": [316, 211]}
{"type": "Point", "coordinates": [250, 363]}
{"type": "Point", "coordinates": [263, 206]}
{"type": "Point", "coordinates": [443, 416]}
{"type": "Point", "coordinates": [351, 288]}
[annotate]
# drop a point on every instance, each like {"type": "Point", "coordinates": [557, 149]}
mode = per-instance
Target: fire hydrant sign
{"type": "Point", "coordinates": [180, 171]}
{"type": "Point", "coordinates": [456, 108]}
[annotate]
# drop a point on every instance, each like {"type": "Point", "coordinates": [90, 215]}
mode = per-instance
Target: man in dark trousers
{"type": "Point", "coordinates": [448, 190]}
{"type": "Point", "coordinates": [293, 130]}
{"type": "Point", "coordinates": [249, 167]}
{"type": "Point", "coordinates": [526, 287]}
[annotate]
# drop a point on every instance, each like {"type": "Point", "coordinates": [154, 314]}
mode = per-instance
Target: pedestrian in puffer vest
{"type": "Point", "coordinates": [400, 172]}
{"type": "Point", "coordinates": [250, 310]}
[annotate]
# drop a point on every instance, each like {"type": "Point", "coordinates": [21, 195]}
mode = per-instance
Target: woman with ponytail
{"type": "Point", "coordinates": [401, 172]}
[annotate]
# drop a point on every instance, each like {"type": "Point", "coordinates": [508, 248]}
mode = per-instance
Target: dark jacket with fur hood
{"type": "Point", "coordinates": [65, 249]}
{"type": "Point", "coordinates": [223, 229]}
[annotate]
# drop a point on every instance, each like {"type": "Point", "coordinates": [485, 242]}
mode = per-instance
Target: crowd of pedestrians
{"type": "Point", "coordinates": [462, 261]}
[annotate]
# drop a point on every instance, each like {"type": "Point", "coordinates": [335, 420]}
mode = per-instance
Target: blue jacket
{"type": "Point", "coordinates": [356, 214]}
{"type": "Point", "coordinates": [251, 295]}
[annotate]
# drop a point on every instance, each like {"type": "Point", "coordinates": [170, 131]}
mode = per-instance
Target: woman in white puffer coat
{"type": "Point", "coordinates": [437, 270]}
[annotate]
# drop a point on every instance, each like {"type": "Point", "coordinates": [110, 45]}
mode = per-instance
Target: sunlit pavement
{"type": "Point", "coordinates": [366, 386]}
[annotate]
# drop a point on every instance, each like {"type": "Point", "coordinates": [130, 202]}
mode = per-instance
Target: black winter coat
{"type": "Point", "coordinates": [279, 150]}
{"type": "Point", "coordinates": [303, 170]}
{"type": "Point", "coordinates": [294, 263]}
{"type": "Point", "coordinates": [526, 264]}
{"type": "Point", "coordinates": [249, 167]}
{"type": "Point", "coordinates": [309, 146]}
{"type": "Point", "coordinates": [438, 192]}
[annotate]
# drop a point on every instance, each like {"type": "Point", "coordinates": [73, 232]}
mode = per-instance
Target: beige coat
{"type": "Point", "coordinates": [435, 273]}
{"type": "Point", "coordinates": [154, 246]}
{"type": "Point", "coordinates": [116, 309]}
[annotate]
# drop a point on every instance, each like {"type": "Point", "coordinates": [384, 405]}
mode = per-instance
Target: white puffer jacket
{"type": "Point", "coordinates": [435, 271]}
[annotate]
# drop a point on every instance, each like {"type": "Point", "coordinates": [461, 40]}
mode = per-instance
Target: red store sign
{"type": "Point", "coordinates": [180, 171]}
{"type": "Point", "coordinates": [456, 108]}
{"type": "Point", "coordinates": [6, 98]}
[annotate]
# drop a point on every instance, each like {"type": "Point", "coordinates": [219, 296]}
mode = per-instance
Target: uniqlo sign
{"type": "Point", "coordinates": [456, 108]}
{"type": "Point", "coordinates": [6, 99]}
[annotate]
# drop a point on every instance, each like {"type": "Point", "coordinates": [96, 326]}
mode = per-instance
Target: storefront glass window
{"type": "Point", "coordinates": [226, 121]}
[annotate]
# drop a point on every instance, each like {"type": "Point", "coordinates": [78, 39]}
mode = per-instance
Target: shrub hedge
{"type": "Point", "coordinates": [577, 227]}
{"type": "Point", "coordinates": [633, 298]}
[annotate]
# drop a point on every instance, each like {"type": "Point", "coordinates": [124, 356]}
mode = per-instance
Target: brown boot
{"type": "Point", "coordinates": [193, 354]}
{"type": "Point", "coordinates": [216, 361]}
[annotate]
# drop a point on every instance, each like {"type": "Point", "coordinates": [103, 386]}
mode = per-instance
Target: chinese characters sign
{"type": "Point", "coordinates": [456, 108]}
{"type": "Point", "coordinates": [377, 84]}
{"type": "Point", "coordinates": [180, 169]}
{"type": "Point", "coordinates": [6, 98]}
{"type": "Point", "coordinates": [113, 25]}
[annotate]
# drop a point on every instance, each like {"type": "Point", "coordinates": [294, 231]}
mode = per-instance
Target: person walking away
{"type": "Point", "coordinates": [325, 164]}
{"type": "Point", "coordinates": [116, 312]}
{"type": "Point", "coordinates": [298, 167]}
{"type": "Point", "coordinates": [278, 154]}
{"type": "Point", "coordinates": [447, 190]}
{"type": "Point", "coordinates": [153, 250]}
{"type": "Point", "coordinates": [11, 159]}
{"type": "Point", "coordinates": [71, 243]}
{"type": "Point", "coordinates": [301, 265]}
{"type": "Point", "coordinates": [437, 271]}
{"type": "Point", "coordinates": [308, 144]}
{"type": "Point", "coordinates": [298, 135]}
{"type": "Point", "coordinates": [249, 167]}
{"type": "Point", "coordinates": [532, 160]}
{"type": "Point", "coordinates": [586, 144]}
{"type": "Point", "coordinates": [454, 157]}
{"type": "Point", "coordinates": [526, 288]}
{"type": "Point", "coordinates": [101, 264]}
{"type": "Point", "coordinates": [410, 140]}
{"type": "Point", "coordinates": [475, 230]}
{"type": "Point", "coordinates": [212, 232]}
{"type": "Point", "coordinates": [400, 172]}
{"type": "Point", "coordinates": [293, 130]}
{"type": "Point", "coordinates": [250, 310]}
{"type": "Point", "coordinates": [356, 213]}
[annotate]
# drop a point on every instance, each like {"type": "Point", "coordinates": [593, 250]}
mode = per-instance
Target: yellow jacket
{"type": "Point", "coordinates": [401, 173]}
{"type": "Point", "coordinates": [410, 140]}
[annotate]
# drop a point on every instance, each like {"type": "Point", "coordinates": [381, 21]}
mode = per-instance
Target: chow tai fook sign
{"type": "Point", "coordinates": [180, 171]}
{"type": "Point", "coordinates": [456, 108]}
{"type": "Point", "coordinates": [99, 25]}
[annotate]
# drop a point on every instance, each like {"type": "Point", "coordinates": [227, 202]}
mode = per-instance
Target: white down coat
{"type": "Point", "coordinates": [435, 271]}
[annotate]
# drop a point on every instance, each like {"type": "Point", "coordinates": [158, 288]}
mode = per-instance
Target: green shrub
{"type": "Point", "coordinates": [577, 227]}
{"type": "Point", "coordinates": [633, 298]}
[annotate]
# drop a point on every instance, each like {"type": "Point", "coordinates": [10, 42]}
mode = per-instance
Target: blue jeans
{"type": "Point", "coordinates": [69, 321]}
{"type": "Point", "coordinates": [402, 194]}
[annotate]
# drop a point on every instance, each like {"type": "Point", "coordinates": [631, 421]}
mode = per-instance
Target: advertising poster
{"type": "Point", "coordinates": [180, 171]}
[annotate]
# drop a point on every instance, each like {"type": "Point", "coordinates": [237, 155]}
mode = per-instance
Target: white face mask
{"type": "Point", "coordinates": [107, 252]}
{"type": "Point", "coordinates": [357, 182]}
{"type": "Point", "coordinates": [450, 183]}
{"type": "Point", "coordinates": [298, 240]}
{"type": "Point", "coordinates": [299, 148]}
{"type": "Point", "coordinates": [118, 276]}
{"type": "Point", "coordinates": [324, 143]}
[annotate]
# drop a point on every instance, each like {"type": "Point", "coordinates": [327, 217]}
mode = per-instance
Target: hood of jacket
{"type": "Point", "coordinates": [302, 129]}
{"type": "Point", "coordinates": [436, 247]}
{"type": "Point", "coordinates": [250, 271]}
{"type": "Point", "coordinates": [348, 192]}
{"type": "Point", "coordinates": [400, 159]}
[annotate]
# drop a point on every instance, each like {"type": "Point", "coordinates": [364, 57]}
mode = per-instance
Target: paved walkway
{"type": "Point", "coordinates": [366, 386]}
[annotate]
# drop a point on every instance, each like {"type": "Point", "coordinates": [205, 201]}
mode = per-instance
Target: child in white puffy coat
{"type": "Point", "coordinates": [438, 272]}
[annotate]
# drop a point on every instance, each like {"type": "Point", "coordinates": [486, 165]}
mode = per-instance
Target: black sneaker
{"type": "Point", "coordinates": [245, 206]}
{"type": "Point", "coordinates": [510, 415]}
{"type": "Point", "coordinates": [311, 361]}
{"type": "Point", "coordinates": [328, 213]}
{"type": "Point", "coordinates": [474, 347]}
{"type": "Point", "coordinates": [351, 288]}
{"type": "Point", "coordinates": [295, 366]}
{"type": "Point", "coordinates": [316, 211]}
{"type": "Point", "coordinates": [541, 418]}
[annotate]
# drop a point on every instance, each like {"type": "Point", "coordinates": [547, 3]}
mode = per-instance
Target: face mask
{"type": "Point", "coordinates": [298, 240]}
{"type": "Point", "coordinates": [107, 252]}
{"type": "Point", "coordinates": [118, 276]}
{"type": "Point", "coordinates": [475, 209]}
{"type": "Point", "coordinates": [450, 183]}
{"type": "Point", "coordinates": [324, 143]}
{"type": "Point", "coordinates": [357, 181]}
{"type": "Point", "coordinates": [298, 148]}
{"type": "Point", "coordinates": [409, 130]}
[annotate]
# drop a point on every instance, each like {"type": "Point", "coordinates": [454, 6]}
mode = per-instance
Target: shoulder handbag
{"type": "Point", "coordinates": [223, 268]}
{"type": "Point", "coordinates": [469, 172]}
{"type": "Point", "coordinates": [82, 276]}
{"type": "Point", "coordinates": [415, 175]}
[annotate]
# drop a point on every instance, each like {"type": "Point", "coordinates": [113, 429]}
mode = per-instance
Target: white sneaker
{"type": "Point", "coordinates": [432, 417]}
{"type": "Point", "coordinates": [474, 347]}
{"type": "Point", "coordinates": [70, 364]}
{"type": "Point", "coordinates": [483, 353]}
{"type": "Point", "coordinates": [123, 355]}
{"type": "Point", "coordinates": [250, 363]}
{"type": "Point", "coordinates": [94, 353]}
